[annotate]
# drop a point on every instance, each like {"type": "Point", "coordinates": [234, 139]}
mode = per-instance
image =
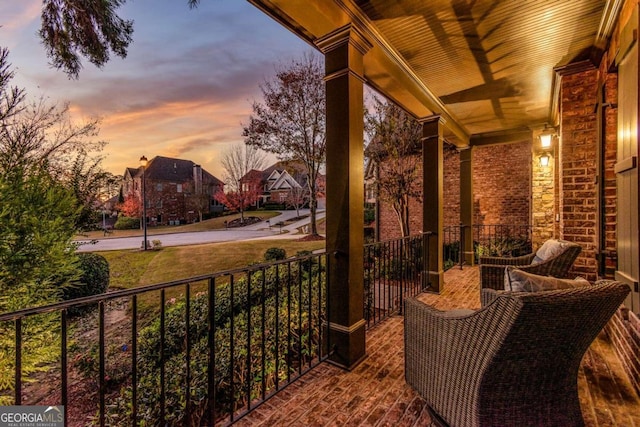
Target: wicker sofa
{"type": "Point", "coordinates": [492, 268]}
{"type": "Point", "coordinates": [512, 363]}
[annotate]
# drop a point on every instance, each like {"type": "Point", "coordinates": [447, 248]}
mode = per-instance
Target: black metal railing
{"type": "Point", "coordinates": [488, 240]}
{"type": "Point", "coordinates": [200, 351]}
{"type": "Point", "coordinates": [393, 269]}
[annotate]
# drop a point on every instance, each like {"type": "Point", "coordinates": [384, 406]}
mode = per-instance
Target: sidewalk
{"type": "Point", "coordinates": [262, 230]}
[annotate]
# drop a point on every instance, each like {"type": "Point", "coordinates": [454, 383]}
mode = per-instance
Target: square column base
{"type": "Point", "coordinates": [347, 345]}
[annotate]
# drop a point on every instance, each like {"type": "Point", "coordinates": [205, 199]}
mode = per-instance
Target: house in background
{"type": "Point", "coordinates": [177, 191]}
{"type": "Point", "coordinates": [280, 183]}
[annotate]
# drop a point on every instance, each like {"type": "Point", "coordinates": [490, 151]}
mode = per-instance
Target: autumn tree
{"type": "Point", "coordinates": [131, 206]}
{"type": "Point", "coordinates": [290, 121]}
{"type": "Point", "coordinates": [394, 146]}
{"type": "Point", "coordinates": [241, 165]}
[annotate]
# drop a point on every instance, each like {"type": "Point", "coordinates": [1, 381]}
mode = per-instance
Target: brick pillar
{"type": "Point", "coordinates": [466, 204]}
{"type": "Point", "coordinates": [433, 201]}
{"type": "Point", "coordinates": [578, 153]}
{"type": "Point", "coordinates": [344, 50]}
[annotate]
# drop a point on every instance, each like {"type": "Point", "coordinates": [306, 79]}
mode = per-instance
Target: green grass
{"type": "Point", "coordinates": [134, 268]}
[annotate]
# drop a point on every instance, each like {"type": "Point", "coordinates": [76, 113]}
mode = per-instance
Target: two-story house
{"type": "Point", "coordinates": [280, 183]}
{"type": "Point", "coordinates": [177, 191]}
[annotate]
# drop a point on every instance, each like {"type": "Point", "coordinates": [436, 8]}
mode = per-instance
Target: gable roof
{"type": "Point", "coordinates": [162, 168]}
{"type": "Point", "coordinates": [284, 181]}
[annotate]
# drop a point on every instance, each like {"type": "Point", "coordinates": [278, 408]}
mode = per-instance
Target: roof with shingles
{"type": "Point", "coordinates": [170, 169]}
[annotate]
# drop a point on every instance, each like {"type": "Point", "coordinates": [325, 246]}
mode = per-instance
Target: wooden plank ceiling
{"type": "Point", "coordinates": [486, 66]}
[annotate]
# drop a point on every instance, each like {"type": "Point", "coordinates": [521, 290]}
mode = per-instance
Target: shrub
{"type": "Point", "coordinates": [275, 254]}
{"type": "Point", "coordinates": [369, 215]}
{"type": "Point", "coordinates": [127, 223]}
{"type": "Point", "coordinates": [157, 244]}
{"type": "Point", "coordinates": [503, 246]}
{"type": "Point", "coordinates": [262, 298]}
{"type": "Point", "coordinates": [94, 280]}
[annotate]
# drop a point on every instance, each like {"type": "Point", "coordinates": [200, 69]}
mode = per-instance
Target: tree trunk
{"type": "Point", "coordinates": [312, 216]}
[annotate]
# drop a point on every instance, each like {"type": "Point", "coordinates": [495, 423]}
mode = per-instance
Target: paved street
{"type": "Point", "coordinates": [260, 230]}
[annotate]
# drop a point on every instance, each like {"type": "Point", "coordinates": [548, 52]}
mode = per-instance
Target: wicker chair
{"type": "Point", "coordinates": [492, 268]}
{"type": "Point", "coordinates": [513, 363]}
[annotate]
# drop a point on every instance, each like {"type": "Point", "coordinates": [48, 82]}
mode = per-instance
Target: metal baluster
{"type": "Point", "coordinates": [212, 352]}
{"type": "Point", "coordinates": [64, 361]}
{"type": "Point", "coordinates": [134, 359]}
{"type": "Point", "coordinates": [187, 321]}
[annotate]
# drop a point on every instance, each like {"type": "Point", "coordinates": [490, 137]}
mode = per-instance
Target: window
{"type": "Point", "coordinates": [179, 188]}
{"type": "Point", "coordinates": [159, 204]}
{"type": "Point", "coordinates": [159, 186]}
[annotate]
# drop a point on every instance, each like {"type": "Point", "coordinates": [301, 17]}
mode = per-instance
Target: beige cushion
{"type": "Point", "coordinates": [520, 281]}
{"type": "Point", "coordinates": [458, 312]}
{"type": "Point", "coordinates": [549, 249]}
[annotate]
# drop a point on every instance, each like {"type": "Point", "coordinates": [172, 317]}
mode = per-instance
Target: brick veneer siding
{"type": "Point", "coordinates": [501, 190]}
{"type": "Point", "coordinates": [451, 186]}
{"type": "Point", "coordinates": [502, 183]}
{"type": "Point", "coordinates": [578, 154]}
{"type": "Point", "coordinates": [624, 332]}
{"type": "Point", "coordinates": [389, 227]}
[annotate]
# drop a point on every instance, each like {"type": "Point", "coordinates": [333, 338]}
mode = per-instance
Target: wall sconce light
{"type": "Point", "coordinates": [546, 138]}
{"type": "Point", "coordinates": [544, 160]}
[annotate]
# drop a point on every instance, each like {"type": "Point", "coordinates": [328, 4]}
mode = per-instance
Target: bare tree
{"type": "Point", "coordinates": [242, 189]}
{"type": "Point", "coordinates": [298, 195]}
{"type": "Point", "coordinates": [395, 144]}
{"type": "Point", "coordinates": [290, 122]}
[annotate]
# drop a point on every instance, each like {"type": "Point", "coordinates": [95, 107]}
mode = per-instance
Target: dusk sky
{"type": "Point", "coordinates": [185, 88]}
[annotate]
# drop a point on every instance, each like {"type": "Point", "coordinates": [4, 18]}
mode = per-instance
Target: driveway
{"type": "Point", "coordinates": [261, 230]}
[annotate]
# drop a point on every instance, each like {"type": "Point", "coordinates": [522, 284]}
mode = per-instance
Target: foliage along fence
{"type": "Point", "coordinates": [488, 240]}
{"type": "Point", "coordinates": [259, 328]}
{"type": "Point", "coordinates": [199, 351]}
{"type": "Point", "coordinates": [392, 270]}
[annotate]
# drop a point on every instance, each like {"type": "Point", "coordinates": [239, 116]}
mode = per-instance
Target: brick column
{"type": "Point", "coordinates": [433, 201]}
{"type": "Point", "coordinates": [578, 153]}
{"type": "Point", "coordinates": [466, 204]}
{"type": "Point", "coordinates": [344, 50]}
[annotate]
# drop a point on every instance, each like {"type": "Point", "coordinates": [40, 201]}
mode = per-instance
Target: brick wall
{"type": "Point", "coordinates": [624, 332]}
{"type": "Point", "coordinates": [501, 191]}
{"type": "Point", "coordinates": [389, 227]}
{"type": "Point", "coordinates": [578, 154]}
{"type": "Point", "coordinates": [502, 183]}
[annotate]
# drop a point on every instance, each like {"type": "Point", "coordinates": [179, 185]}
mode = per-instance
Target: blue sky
{"type": "Point", "coordinates": [185, 88]}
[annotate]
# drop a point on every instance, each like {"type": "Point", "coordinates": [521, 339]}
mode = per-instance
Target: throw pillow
{"type": "Point", "coordinates": [548, 250]}
{"type": "Point", "coordinates": [520, 281]}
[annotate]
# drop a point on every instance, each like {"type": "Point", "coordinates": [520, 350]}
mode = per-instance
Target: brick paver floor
{"type": "Point", "coordinates": [375, 393]}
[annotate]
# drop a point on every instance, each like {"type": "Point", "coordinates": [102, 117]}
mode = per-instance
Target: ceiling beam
{"type": "Point", "coordinates": [385, 69]}
{"type": "Point", "coordinates": [502, 137]}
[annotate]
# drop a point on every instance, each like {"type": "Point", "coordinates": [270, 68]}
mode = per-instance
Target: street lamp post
{"type": "Point", "coordinates": [143, 163]}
